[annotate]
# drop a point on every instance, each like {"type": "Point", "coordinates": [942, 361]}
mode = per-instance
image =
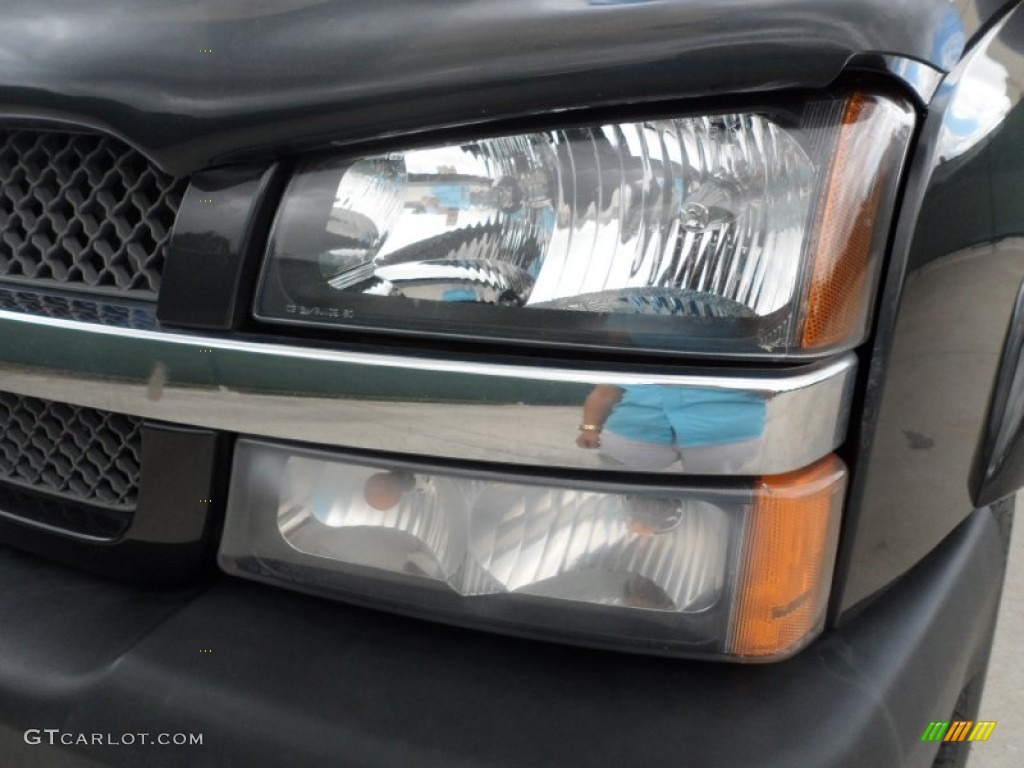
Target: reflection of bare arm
{"type": "Point", "coordinates": [599, 404]}
{"type": "Point", "coordinates": [596, 409]}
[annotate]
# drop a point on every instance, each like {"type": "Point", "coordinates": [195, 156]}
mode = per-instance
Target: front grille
{"type": "Point", "coordinates": [83, 212]}
{"type": "Point", "coordinates": [77, 454]}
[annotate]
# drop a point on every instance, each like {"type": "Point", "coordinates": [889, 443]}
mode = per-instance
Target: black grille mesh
{"type": "Point", "coordinates": [84, 213]}
{"type": "Point", "coordinates": [87, 309]}
{"type": "Point", "coordinates": [81, 454]}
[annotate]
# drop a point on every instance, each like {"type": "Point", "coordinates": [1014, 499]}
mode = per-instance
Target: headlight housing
{"type": "Point", "coordinates": [745, 233]}
{"type": "Point", "coordinates": [739, 570]}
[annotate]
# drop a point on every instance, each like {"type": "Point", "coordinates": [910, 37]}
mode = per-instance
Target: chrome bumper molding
{"type": "Point", "coordinates": [447, 408]}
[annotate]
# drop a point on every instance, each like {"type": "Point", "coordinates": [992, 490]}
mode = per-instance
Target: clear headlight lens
{"type": "Point", "coordinates": [743, 233]}
{"type": "Point", "coordinates": [741, 571]}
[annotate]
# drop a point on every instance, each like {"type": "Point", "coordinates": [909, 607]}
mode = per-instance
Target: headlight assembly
{"type": "Point", "coordinates": [744, 233]}
{"type": "Point", "coordinates": [737, 571]}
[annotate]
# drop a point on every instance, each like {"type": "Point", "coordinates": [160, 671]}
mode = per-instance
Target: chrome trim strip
{"type": "Point", "coordinates": [442, 408]}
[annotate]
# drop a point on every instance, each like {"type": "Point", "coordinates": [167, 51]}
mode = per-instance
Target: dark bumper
{"type": "Point", "coordinates": [293, 680]}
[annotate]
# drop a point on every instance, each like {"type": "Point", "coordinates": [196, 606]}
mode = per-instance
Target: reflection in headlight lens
{"type": "Point", "coordinates": [703, 220]}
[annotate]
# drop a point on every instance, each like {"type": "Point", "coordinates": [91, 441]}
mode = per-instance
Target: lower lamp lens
{"type": "Point", "coordinates": [487, 538]}
{"type": "Point", "coordinates": [650, 568]}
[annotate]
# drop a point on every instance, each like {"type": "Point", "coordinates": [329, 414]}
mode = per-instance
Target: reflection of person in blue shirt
{"type": "Point", "coordinates": [653, 426]}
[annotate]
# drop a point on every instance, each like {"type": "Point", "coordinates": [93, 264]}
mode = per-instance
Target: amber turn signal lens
{"type": "Point", "coordinates": [787, 560]}
{"type": "Point", "coordinates": [848, 240]}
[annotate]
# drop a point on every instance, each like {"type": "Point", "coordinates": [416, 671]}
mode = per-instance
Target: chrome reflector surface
{"type": "Point", "coordinates": [484, 538]}
{"type": "Point", "coordinates": [630, 217]}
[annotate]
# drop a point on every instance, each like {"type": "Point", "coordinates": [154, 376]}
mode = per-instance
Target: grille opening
{"type": "Point", "coordinates": [83, 212]}
{"type": "Point", "coordinates": [67, 466]}
{"type": "Point", "coordinates": [82, 520]}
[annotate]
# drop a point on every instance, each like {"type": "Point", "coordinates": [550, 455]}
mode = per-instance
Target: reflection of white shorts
{"type": "Point", "coordinates": [737, 458]}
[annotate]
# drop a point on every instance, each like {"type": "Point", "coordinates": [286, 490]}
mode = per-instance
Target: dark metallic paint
{"type": "Point", "coordinates": [200, 82]}
{"type": "Point", "coordinates": [999, 468]}
{"type": "Point", "coordinates": [953, 280]}
{"type": "Point", "coordinates": [218, 234]}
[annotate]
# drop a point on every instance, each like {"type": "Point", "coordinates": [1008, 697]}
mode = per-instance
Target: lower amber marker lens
{"type": "Point", "coordinates": [787, 560]}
